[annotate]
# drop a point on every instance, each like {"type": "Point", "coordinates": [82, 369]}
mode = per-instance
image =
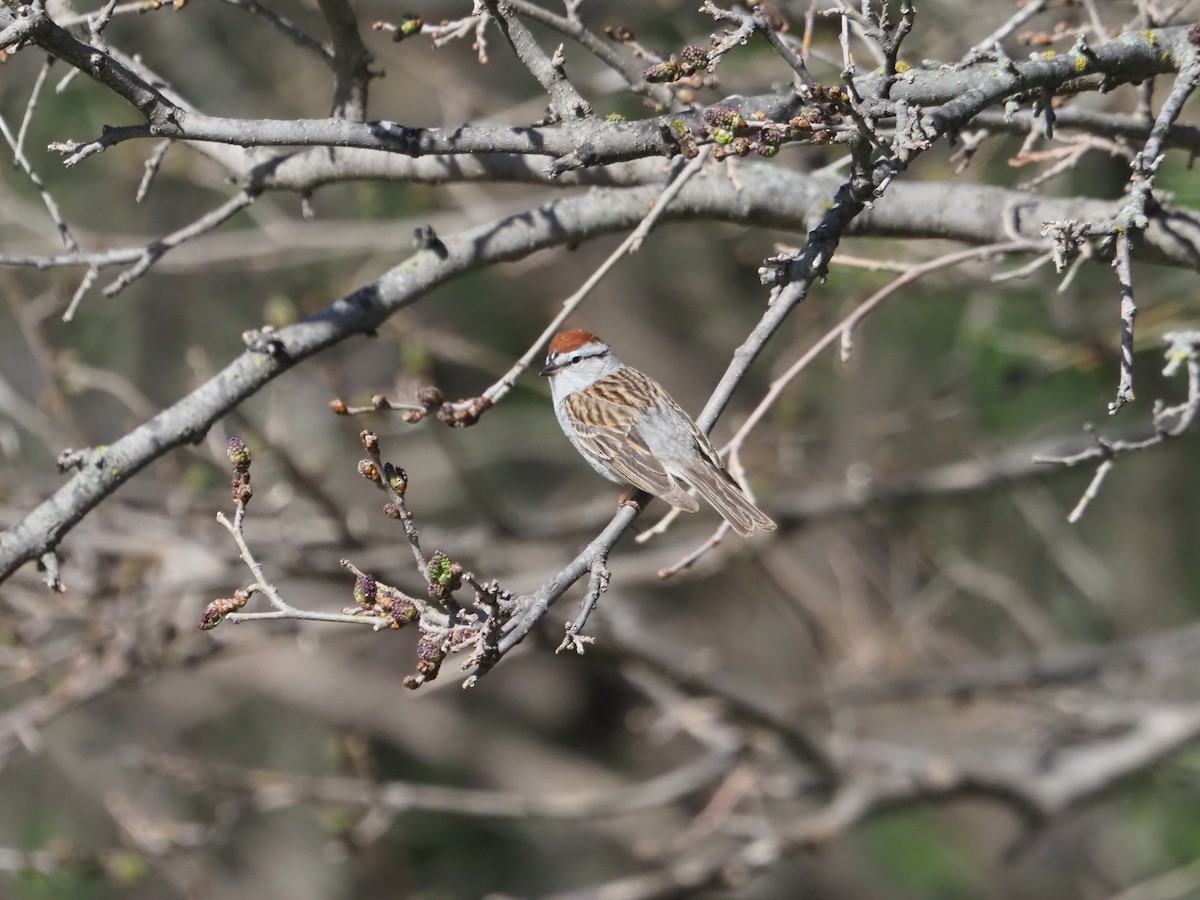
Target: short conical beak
{"type": "Point", "coordinates": [550, 369]}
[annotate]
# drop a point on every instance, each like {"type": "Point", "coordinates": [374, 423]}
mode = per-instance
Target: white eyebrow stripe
{"type": "Point", "coordinates": [585, 353]}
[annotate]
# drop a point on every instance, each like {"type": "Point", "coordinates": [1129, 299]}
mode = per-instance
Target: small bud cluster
{"type": "Point", "coordinates": [239, 455]}
{"type": "Point", "coordinates": [430, 398]}
{"type": "Point", "coordinates": [430, 401]}
{"type": "Point", "coordinates": [441, 635]}
{"type": "Point", "coordinates": [662, 72]}
{"type": "Point", "coordinates": [408, 26]}
{"type": "Point", "coordinates": [446, 625]}
{"type": "Point", "coordinates": [366, 589]}
{"type": "Point", "coordinates": [399, 606]}
{"type": "Point", "coordinates": [692, 60]}
{"type": "Point", "coordinates": [445, 576]}
{"type": "Point", "coordinates": [216, 611]}
{"type": "Point", "coordinates": [404, 611]}
{"type": "Point", "coordinates": [829, 95]}
{"type": "Point", "coordinates": [389, 478]}
{"type": "Point", "coordinates": [684, 138]}
{"type": "Point", "coordinates": [463, 413]}
{"type": "Point", "coordinates": [738, 135]}
{"type": "Point", "coordinates": [430, 654]}
{"type": "Point", "coordinates": [437, 644]}
{"type": "Point", "coordinates": [396, 477]}
{"type": "Point", "coordinates": [733, 134]}
{"type": "Point", "coordinates": [392, 606]}
{"type": "Point", "coordinates": [724, 118]}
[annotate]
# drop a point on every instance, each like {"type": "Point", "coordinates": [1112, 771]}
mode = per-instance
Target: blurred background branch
{"type": "Point", "coordinates": [927, 683]}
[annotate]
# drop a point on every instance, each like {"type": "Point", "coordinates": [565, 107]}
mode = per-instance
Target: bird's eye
{"type": "Point", "coordinates": [576, 359]}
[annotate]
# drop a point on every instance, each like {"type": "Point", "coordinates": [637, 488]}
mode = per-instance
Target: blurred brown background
{"type": "Point", "coordinates": [973, 633]}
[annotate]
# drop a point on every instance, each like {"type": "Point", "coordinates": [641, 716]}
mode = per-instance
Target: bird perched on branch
{"type": "Point", "coordinates": [632, 432]}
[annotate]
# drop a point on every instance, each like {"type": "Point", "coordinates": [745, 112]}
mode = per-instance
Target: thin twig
{"type": "Point", "coordinates": [629, 71]}
{"type": "Point", "coordinates": [283, 609]}
{"type": "Point", "coordinates": [632, 242]}
{"type": "Point", "coordinates": [676, 184]}
{"type": "Point", "coordinates": [1099, 32]}
{"type": "Point", "coordinates": [573, 639]}
{"type": "Point", "coordinates": [85, 285]}
{"type": "Point", "coordinates": [864, 309]}
{"type": "Point", "coordinates": [1022, 15]}
{"type": "Point", "coordinates": [97, 22]}
{"type": "Point", "coordinates": [839, 333]}
{"type": "Point", "coordinates": [689, 559]}
{"type": "Point", "coordinates": [151, 167]}
{"type": "Point", "coordinates": [1090, 493]}
{"type": "Point", "coordinates": [657, 791]}
{"type": "Point", "coordinates": [1134, 216]}
{"type": "Point", "coordinates": [1170, 422]}
{"type": "Point", "coordinates": [757, 20]}
{"type": "Point", "coordinates": [34, 94]}
{"type": "Point", "coordinates": [286, 27]}
{"type": "Point", "coordinates": [566, 101]}
{"type": "Point", "coordinates": [153, 251]}
{"type": "Point", "coordinates": [64, 231]}
{"type": "Point", "coordinates": [1124, 267]}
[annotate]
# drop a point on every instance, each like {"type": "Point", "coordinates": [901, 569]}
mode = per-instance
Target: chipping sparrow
{"type": "Point", "coordinates": [632, 432]}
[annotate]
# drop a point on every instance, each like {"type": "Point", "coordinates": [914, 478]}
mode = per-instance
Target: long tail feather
{"type": "Point", "coordinates": [680, 498]}
{"type": "Point", "coordinates": [723, 493]}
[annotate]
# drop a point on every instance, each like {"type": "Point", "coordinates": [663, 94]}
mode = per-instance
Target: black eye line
{"type": "Point", "coordinates": [580, 357]}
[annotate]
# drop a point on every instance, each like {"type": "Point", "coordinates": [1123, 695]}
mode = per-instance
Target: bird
{"type": "Point", "coordinates": [630, 430]}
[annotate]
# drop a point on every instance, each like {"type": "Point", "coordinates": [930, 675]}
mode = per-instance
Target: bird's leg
{"type": "Point", "coordinates": [631, 496]}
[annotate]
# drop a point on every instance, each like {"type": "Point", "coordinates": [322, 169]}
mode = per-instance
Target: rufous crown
{"type": "Point", "coordinates": [566, 341]}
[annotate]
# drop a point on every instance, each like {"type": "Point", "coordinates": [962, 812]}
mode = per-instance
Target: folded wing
{"type": "Point", "coordinates": [614, 438]}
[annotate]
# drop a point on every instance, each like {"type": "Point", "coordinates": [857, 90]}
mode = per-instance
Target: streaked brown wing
{"type": "Point", "coordinates": [628, 456]}
{"type": "Point", "coordinates": [613, 437]}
